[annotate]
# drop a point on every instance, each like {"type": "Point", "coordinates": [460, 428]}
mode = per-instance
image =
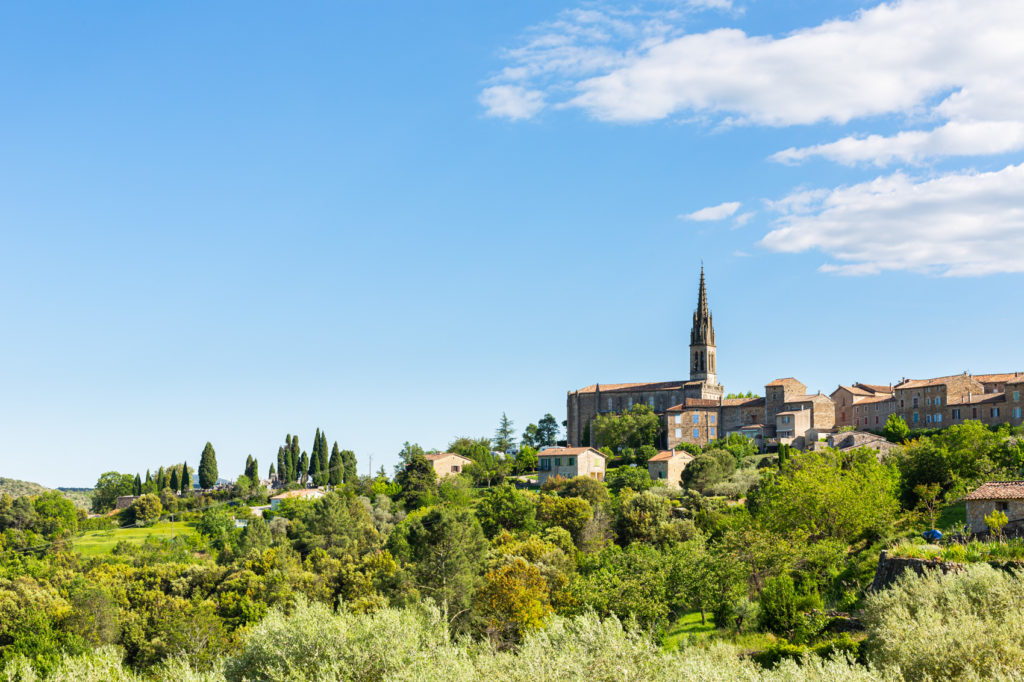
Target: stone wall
{"type": "Point", "coordinates": [890, 568]}
{"type": "Point", "coordinates": [977, 510]}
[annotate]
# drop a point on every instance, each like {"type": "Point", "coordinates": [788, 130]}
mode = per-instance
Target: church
{"type": "Point", "coordinates": [696, 411]}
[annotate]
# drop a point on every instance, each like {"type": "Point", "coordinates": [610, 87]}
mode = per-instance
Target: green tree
{"type": "Point", "coordinates": [570, 513]}
{"type": "Point", "coordinates": [526, 460]}
{"type": "Point", "coordinates": [418, 481]}
{"type": "Point", "coordinates": [303, 468]}
{"type": "Point", "coordinates": [146, 510]}
{"type": "Point", "coordinates": [634, 478]}
{"type": "Point", "coordinates": [895, 429]}
{"type": "Point", "coordinates": [175, 484]}
{"type": "Point", "coordinates": [505, 508]}
{"type": "Point", "coordinates": [634, 428]}
{"type": "Point", "coordinates": [208, 468]}
{"type": "Point", "coordinates": [547, 431]}
{"type": "Point", "coordinates": [137, 485]}
{"type": "Point", "coordinates": [504, 435]}
{"type": "Point", "coordinates": [447, 548]}
{"type": "Point", "coordinates": [337, 467]}
{"type": "Point", "coordinates": [995, 522]}
{"type": "Point", "coordinates": [513, 601]}
{"type": "Point", "coordinates": [590, 489]}
{"type": "Point", "coordinates": [185, 479]}
{"type": "Point", "coordinates": [703, 472]}
{"type": "Point", "coordinates": [529, 437]}
{"type": "Point", "coordinates": [488, 469]}
{"type": "Point", "coordinates": [351, 472]}
{"type": "Point", "coordinates": [778, 601]}
{"type": "Point", "coordinates": [110, 486]}
{"type": "Point", "coordinates": [928, 500]}
{"type": "Point", "coordinates": [57, 515]}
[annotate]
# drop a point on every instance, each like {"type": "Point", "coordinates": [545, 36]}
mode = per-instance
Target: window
{"type": "Point", "coordinates": [1016, 396]}
{"type": "Point", "coordinates": [876, 418]}
{"type": "Point", "coordinates": [679, 433]}
{"type": "Point", "coordinates": [1002, 506]}
{"type": "Point", "coordinates": [679, 419]}
{"type": "Point", "coordinates": [609, 404]}
{"type": "Point", "coordinates": [928, 402]}
{"type": "Point", "coordinates": [558, 461]}
{"type": "Point", "coordinates": [915, 402]}
{"type": "Point", "coordinates": [696, 419]}
{"type": "Point", "coordinates": [928, 418]}
{"type": "Point", "coordinates": [938, 401]}
{"type": "Point", "coordinates": [711, 432]}
{"type": "Point", "coordinates": [995, 411]}
{"type": "Point", "coordinates": [938, 418]}
{"type": "Point", "coordinates": [916, 418]}
{"type": "Point", "coordinates": [1016, 413]}
{"type": "Point", "coordinates": [650, 401]}
{"type": "Point", "coordinates": [901, 402]}
{"type": "Point", "coordinates": [630, 404]}
{"type": "Point", "coordinates": [661, 474]}
{"type": "Point", "coordinates": [455, 468]}
{"type": "Point", "coordinates": [956, 413]}
{"type": "Point", "coordinates": [711, 419]}
{"type": "Point", "coordinates": [696, 434]}
{"type": "Point", "coordinates": [545, 464]}
{"type": "Point", "coordinates": [974, 412]}
{"type": "Point", "coordinates": [571, 461]}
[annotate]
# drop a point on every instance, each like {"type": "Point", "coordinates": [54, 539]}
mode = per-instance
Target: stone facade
{"type": "Point", "coordinates": [863, 405]}
{"type": "Point", "coordinates": [448, 463]}
{"type": "Point", "coordinates": [1006, 496]}
{"type": "Point", "coordinates": [667, 466]}
{"type": "Point", "coordinates": [570, 463]}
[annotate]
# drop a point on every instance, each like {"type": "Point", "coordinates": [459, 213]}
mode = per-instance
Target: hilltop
{"type": "Point", "coordinates": [82, 497]}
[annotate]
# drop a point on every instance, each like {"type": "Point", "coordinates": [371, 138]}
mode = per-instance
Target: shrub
{"type": "Point", "coordinates": [778, 602]}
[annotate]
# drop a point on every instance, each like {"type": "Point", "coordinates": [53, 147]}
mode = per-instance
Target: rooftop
{"type": "Point", "coordinates": [937, 381]}
{"type": "Point", "coordinates": [441, 455]}
{"type": "Point", "coordinates": [563, 452]}
{"type": "Point", "coordinates": [635, 386]}
{"type": "Point", "coordinates": [784, 381]}
{"type": "Point", "coordinates": [998, 378]}
{"type": "Point", "coordinates": [998, 490]}
{"type": "Point", "coordinates": [666, 455]}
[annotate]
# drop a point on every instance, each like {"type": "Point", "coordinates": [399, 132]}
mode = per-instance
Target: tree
{"type": "Point", "coordinates": [146, 510]}
{"type": "Point", "coordinates": [504, 435]}
{"type": "Point", "coordinates": [634, 428]}
{"type": "Point", "coordinates": [505, 508]}
{"type": "Point", "coordinates": [110, 486]}
{"type": "Point", "coordinates": [995, 522]}
{"type": "Point", "coordinates": [547, 431]}
{"type": "Point", "coordinates": [778, 605]}
{"type": "Point", "coordinates": [447, 548]}
{"type": "Point", "coordinates": [137, 485]}
{"type": "Point", "coordinates": [418, 481]}
{"type": "Point", "coordinates": [629, 477]}
{"type": "Point", "coordinates": [590, 489]}
{"type": "Point", "coordinates": [271, 471]}
{"type": "Point", "coordinates": [702, 473]}
{"type": "Point", "coordinates": [570, 513]}
{"type": "Point", "coordinates": [643, 454]}
{"type": "Point", "coordinates": [336, 466]}
{"type": "Point", "coordinates": [208, 468]}
{"type": "Point", "coordinates": [895, 429]}
{"type": "Point", "coordinates": [928, 499]}
{"type": "Point", "coordinates": [514, 601]}
{"type": "Point", "coordinates": [175, 484]}
{"type": "Point", "coordinates": [185, 478]}
{"type": "Point", "coordinates": [348, 457]}
{"type": "Point", "coordinates": [303, 468]}
{"type": "Point", "coordinates": [529, 437]}
{"type": "Point", "coordinates": [487, 469]}
{"type": "Point", "coordinates": [642, 517]}
{"type": "Point", "coordinates": [255, 475]}
{"type": "Point", "coordinates": [526, 460]}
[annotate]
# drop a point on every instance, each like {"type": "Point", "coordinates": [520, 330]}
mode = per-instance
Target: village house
{"type": "Point", "coordinates": [667, 466]}
{"type": "Point", "coordinates": [863, 405]}
{"type": "Point", "coordinates": [570, 463]}
{"type": "Point", "coordinates": [1005, 496]}
{"type": "Point", "coordinates": [448, 463]}
{"type": "Point", "coordinates": [301, 494]}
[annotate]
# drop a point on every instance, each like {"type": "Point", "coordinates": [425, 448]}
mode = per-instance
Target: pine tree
{"type": "Point", "coordinates": [337, 467]}
{"type": "Point", "coordinates": [504, 435]}
{"type": "Point", "coordinates": [208, 468]}
{"type": "Point", "coordinates": [137, 485]}
{"type": "Point", "coordinates": [303, 466]}
{"type": "Point", "coordinates": [174, 484]}
{"type": "Point", "coordinates": [186, 480]}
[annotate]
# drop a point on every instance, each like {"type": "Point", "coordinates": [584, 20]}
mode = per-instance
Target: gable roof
{"type": "Point", "coordinates": [442, 455]}
{"type": "Point", "coordinates": [785, 381]}
{"type": "Point", "coordinates": [997, 378]}
{"type": "Point", "coordinates": [666, 455]}
{"type": "Point", "coordinates": [921, 383]}
{"type": "Point", "coordinates": [978, 399]}
{"type": "Point", "coordinates": [635, 386]}
{"type": "Point", "coordinates": [875, 388]}
{"type": "Point", "coordinates": [743, 402]}
{"type": "Point", "coordinates": [998, 490]}
{"type": "Point", "coordinates": [563, 452]}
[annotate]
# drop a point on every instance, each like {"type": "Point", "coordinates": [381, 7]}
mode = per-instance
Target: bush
{"type": "Point", "coordinates": [778, 602]}
{"type": "Point", "coordinates": [775, 653]}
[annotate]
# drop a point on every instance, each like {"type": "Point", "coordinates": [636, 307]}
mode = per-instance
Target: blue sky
{"type": "Point", "coordinates": [395, 221]}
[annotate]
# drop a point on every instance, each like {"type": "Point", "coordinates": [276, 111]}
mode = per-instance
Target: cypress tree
{"type": "Point", "coordinates": [293, 460]}
{"type": "Point", "coordinates": [337, 467]}
{"type": "Point", "coordinates": [314, 459]}
{"type": "Point", "coordinates": [161, 479]}
{"type": "Point", "coordinates": [270, 474]}
{"type": "Point", "coordinates": [280, 462]}
{"type": "Point", "coordinates": [137, 485]}
{"type": "Point", "coordinates": [349, 458]}
{"type": "Point", "coordinates": [255, 477]}
{"type": "Point", "coordinates": [174, 485]}
{"type": "Point", "coordinates": [248, 466]}
{"type": "Point", "coordinates": [303, 466]}
{"type": "Point", "coordinates": [208, 468]}
{"type": "Point", "coordinates": [325, 464]}
{"type": "Point", "coordinates": [186, 480]}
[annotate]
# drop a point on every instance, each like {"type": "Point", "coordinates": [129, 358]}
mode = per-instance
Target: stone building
{"type": "Point", "coordinates": [1006, 496]}
{"type": "Point", "coordinates": [448, 463]}
{"type": "Point", "coordinates": [570, 463]}
{"type": "Point", "coordinates": [667, 466]}
{"type": "Point", "coordinates": [862, 405]}
{"type": "Point", "coordinates": [586, 403]}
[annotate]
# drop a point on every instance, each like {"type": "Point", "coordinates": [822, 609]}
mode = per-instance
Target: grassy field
{"type": "Point", "coordinates": [97, 542]}
{"type": "Point", "coordinates": [955, 514]}
{"type": "Point", "coordinates": [689, 629]}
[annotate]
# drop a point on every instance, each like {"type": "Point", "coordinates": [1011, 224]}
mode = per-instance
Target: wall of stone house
{"type": "Point", "coordinates": [844, 412]}
{"type": "Point", "coordinates": [734, 417]}
{"type": "Point", "coordinates": [977, 510]}
{"type": "Point", "coordinates": [823, 414]}
{"type": "Point", "coordinates": [686, 427]}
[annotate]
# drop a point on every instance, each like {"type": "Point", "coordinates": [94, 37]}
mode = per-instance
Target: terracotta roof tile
{"type": "Point", "coordinates": [979, 399]}
{"type": "Point", "coordinates": [666, 455]}
{"type": "Point", "coordinates": [998, 490]}
{"type": "Point", "coordinates": [998, 378]}
{"type": "Point", "coordinates": [875, 387]}
{"type": "Point", "coordinates": [441, 455]}
{"type": "Point", "coordinates": [563, 452]}
{"type": "Point", "coordinates": [921, 383]}
{"type": "Point", "coordinates": [784, 381]}
{"type": "Point", "coordinates": [693, 402]}
{"type": "Point", "coordinates": [743, 402]}
{"type": "Point", "coordinates": [636, 386]}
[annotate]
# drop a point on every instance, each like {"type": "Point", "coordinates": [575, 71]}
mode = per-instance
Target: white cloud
{"type": "Point", "coordinates": [958, 224]}
{"type": "Point", "coordinates": [719, 212]}
{"type": "Point", "coordinates": [512, 101]}
{"type": "Point", "coordinates": [955, 65]}
{"type": "Point", "coordinates": [742, 219]}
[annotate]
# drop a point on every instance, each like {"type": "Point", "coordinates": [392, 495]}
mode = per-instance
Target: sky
{"type": "Point", "coordinates": [228, 222]}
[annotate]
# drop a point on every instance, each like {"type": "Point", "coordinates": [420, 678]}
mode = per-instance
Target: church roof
{"type": "Point", "coordinates": [635, 386]}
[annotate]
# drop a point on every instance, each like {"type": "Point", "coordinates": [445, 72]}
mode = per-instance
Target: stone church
{"type": "Point", "coordinates": [695, 411]}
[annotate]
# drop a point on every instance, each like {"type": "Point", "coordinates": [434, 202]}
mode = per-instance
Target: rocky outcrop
{"type": "Point", "coordinates": [890, 568]}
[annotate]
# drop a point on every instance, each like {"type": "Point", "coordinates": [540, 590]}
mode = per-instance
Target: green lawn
{"type": "Point", "coordinates": [956, 513]}
{"type": "Point", "coordinates": [689, 627]}
{"type": "Point", "coordinates": [98, 542]}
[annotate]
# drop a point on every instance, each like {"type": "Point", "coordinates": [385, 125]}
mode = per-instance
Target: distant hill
{"type": "Point", "coordinates": [82, 497]}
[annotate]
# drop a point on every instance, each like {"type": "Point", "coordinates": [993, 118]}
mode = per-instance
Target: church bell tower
{"type": "Point", "coordinates": [703, 363]}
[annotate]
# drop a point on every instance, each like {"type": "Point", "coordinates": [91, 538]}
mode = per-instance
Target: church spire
{"type": "Point", "coordinates": [703, 332]}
